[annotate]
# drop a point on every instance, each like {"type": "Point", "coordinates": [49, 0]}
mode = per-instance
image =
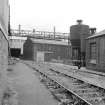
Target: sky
{"type": "Point", "coordinates": [43, 15]}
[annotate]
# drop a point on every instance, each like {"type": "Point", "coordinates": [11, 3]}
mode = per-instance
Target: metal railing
{"type": "Point", "coordinates": [40, 34]}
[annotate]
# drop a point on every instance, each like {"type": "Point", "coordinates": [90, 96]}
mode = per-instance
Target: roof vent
{"type": "Point", "coordinates": [92, 31]}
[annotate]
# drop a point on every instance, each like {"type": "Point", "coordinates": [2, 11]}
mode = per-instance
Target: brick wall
{"type": "Point", "coordinates": [4, 18]}
{"type": "Point", "coordinates": [3, 64]}
{"type": "Point", "coordinates": [57, 50]}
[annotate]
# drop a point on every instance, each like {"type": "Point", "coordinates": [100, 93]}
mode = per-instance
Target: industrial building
{"type": "Point", "coordinates": [83, 45]}
{"type": "Point", "coordinates": [95, 53]}
{"type": "Point", "coordinates": [46, 50]}
{"type": "Point", "coordinates": [78, 34]}
{"type": "Point", "coordinates": [19, 36]}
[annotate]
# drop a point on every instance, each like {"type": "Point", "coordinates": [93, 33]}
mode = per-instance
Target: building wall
{"type": "Point", "coordinates": [4, 16]}
{"type": "Point", "coordinates": [97, 62]}
{"type": "Point", "coordinates": [54, 51]}
{"type": "Point", "coordinates": [3, 64]}
{"type": "Point", "coordinates": [58, 51]}
{"type": "Point", "coordinates": [102, 52]}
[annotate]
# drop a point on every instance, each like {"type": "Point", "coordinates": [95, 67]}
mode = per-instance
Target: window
{"type": "Point", "coordinates": [93, 52]}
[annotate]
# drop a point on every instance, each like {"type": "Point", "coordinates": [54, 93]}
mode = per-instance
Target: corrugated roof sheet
{"type": "Point", "coordinates": [43, 41]}
{"type": "Point", "coordinates": [98, 34]}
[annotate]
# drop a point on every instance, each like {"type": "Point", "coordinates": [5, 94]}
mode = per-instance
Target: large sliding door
{"type": "Point", "coordinates": [102, 52]}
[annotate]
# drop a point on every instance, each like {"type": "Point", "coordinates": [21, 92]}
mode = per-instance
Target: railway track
{"type": "Point", "coordinates": [77, 91]}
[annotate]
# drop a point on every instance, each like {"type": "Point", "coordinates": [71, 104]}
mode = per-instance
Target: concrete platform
{"type": "Point", "coordinates": [27, 85]}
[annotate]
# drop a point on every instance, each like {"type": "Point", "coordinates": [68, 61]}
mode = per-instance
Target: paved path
{"type": "Point", "coordinates": [30, 90]}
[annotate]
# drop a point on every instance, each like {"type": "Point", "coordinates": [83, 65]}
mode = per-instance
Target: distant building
{"type": "Point", "coordinates": [95, 51]}
{"type": "Point", "coordinates": [45, 50]}
{"type": "Point", "coordinates": [16, 45]}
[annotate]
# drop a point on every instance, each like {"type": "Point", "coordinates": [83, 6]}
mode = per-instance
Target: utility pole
{"type": "Point", "coordinates": [9, 26]}
{"type": "Point", "coordinates": [34, 31]}
{"type": "Point", "coordinates": [19, 29]}
{"type": "Point", "coordinates": [54, 32]}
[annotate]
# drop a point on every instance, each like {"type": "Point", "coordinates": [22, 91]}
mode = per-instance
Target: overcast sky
{"type": "Point", "coordinates": [44, 14]}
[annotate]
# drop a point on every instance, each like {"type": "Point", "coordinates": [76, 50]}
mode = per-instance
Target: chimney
{"type": "Point", "coordinates": [79, 22]}
{"type": "Point", "coordinates": [92, 31]}
{"type": "Point", "coordinates": [33, 30]}
{"type": "Point", "coordinates": [19, 29]}
{"type": "Point", "coordinates": [54, 32]}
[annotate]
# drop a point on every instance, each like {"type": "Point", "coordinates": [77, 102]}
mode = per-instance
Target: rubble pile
{"type": "Point", "coordinates": [12, 61]}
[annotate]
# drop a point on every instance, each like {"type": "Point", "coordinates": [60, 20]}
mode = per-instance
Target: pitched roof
{"type": "Point", "coordinates": [43, 41]}
{"type": "Point", "coordinates": [97, 34]}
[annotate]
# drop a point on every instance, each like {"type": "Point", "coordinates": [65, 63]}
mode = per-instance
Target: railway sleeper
{"type": "Point", "coordinates": [97, 100]}
{"type": "Point", "coordinates": [89, 95]}
{"type": "Point", "coordinates": [64, 96]}
{"type": "Point", "coordinates": [88, 90]}
{"type": "Point", "coordinates": [94, 99]}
